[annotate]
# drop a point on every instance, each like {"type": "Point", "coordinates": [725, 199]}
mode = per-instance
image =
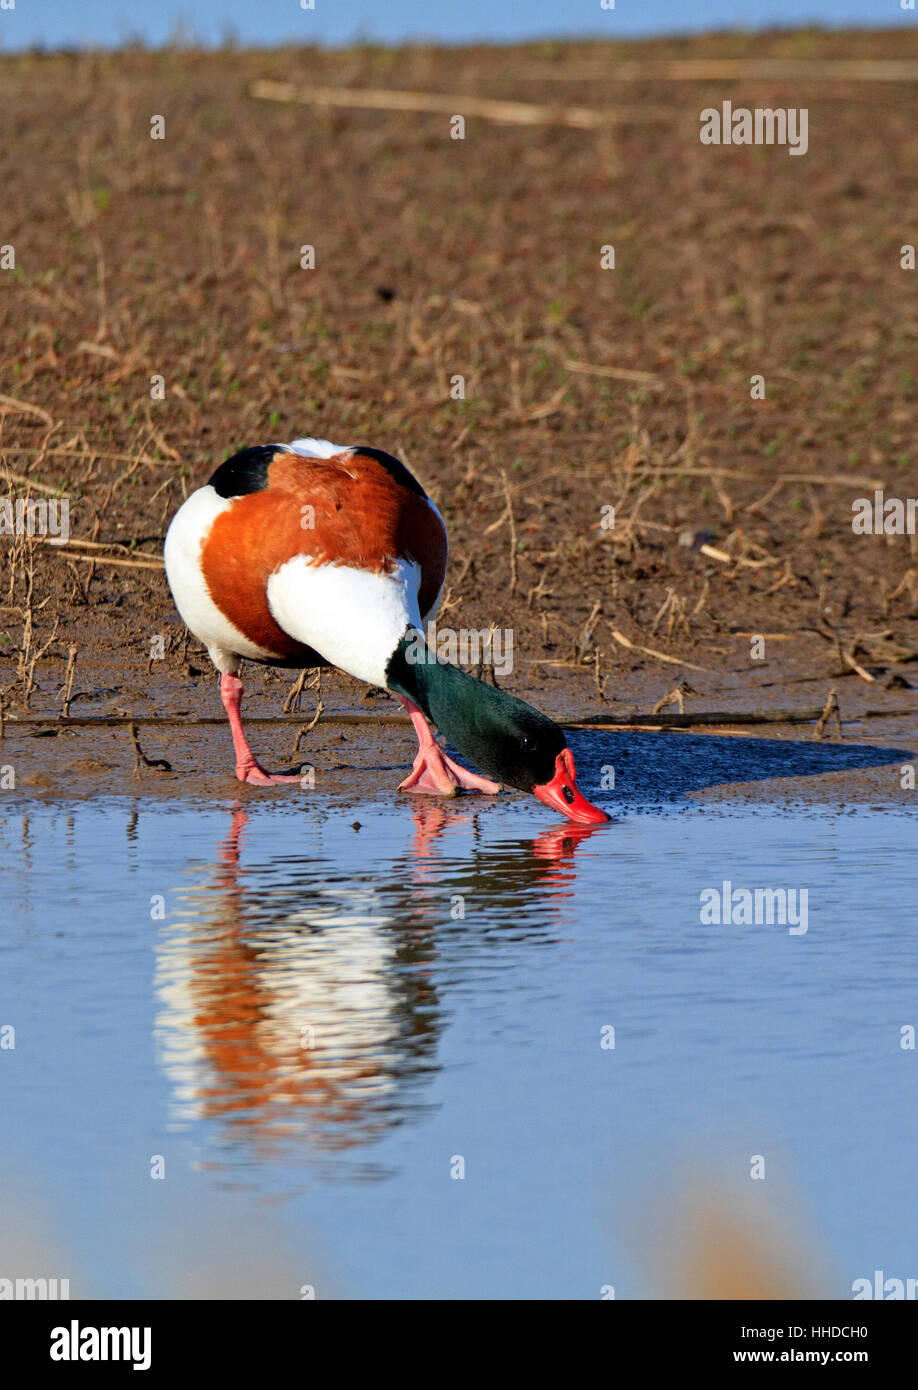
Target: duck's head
{"type": "Point", "coordinates": [500, 735]}
{"type": "Point", "coordinates": [517, 745]}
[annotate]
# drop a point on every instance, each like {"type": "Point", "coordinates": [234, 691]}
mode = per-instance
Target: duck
{"type": "Point", "coordinates": [314, 554]}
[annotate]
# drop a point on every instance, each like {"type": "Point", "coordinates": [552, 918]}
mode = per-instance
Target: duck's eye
{"type": "Point", "coordinates": [526, 743]}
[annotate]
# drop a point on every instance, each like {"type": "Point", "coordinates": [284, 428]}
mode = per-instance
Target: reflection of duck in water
{"type": "Point", "coordinates": [298, 1000]}
{"type": "Point", "coordinates": [284, 1009]}
{"type": "Point", "coordinates": [529, 876]}
{"type": "Point", "coordinates": [314, 554]}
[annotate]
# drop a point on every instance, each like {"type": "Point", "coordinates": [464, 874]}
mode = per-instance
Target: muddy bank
{"type": "Point", "coordinates": [590, 394]}
{"type": "Point", "coordinates": [362, 758]}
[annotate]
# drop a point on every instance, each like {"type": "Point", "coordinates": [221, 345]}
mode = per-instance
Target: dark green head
{"type": "Point", "coordinates": [501, 735]}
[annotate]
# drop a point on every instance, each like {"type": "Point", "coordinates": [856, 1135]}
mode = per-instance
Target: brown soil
{"type": "Point", "coordinates": [437, 257]}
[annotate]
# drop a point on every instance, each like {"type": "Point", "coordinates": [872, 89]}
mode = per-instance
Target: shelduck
{"type": "Point", "coordinates": [315, 554]}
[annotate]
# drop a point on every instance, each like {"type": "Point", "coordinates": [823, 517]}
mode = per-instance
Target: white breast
{"type": "Point", "coordinates": [351, 617]}
{"type": "Point", "coordinates": [182, 551]}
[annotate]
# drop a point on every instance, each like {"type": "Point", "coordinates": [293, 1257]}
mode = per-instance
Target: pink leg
{"type": "Point", "coordinates": [248, 768]}
{"type": "Point", "coordinates": [434, 773]}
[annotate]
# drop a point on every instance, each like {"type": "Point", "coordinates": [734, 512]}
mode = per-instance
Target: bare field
{"type": "Point", "coordinates": [436, 258]}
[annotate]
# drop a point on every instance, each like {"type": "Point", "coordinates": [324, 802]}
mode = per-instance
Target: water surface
{"type": "Point", "coordinates": [313, 1014]}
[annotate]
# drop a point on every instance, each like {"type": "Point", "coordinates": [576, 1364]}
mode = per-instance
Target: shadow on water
{"type": "Point", "coordinates": [661, 768]}
{"type": "Point", "coordinates": [297, 999]}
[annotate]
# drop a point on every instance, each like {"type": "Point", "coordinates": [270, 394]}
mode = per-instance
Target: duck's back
{"type": "Point", "coordinates": [305, 550]}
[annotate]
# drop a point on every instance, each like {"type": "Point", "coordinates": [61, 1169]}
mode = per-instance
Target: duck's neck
{"type": "Point", "coordinates": [453, 700]}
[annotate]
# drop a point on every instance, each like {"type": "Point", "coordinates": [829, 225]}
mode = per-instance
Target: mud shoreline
{"type": "Point", "coordinates": [731, 566]}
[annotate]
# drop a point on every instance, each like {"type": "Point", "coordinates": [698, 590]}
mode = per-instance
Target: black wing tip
{"type": "Point", "coordinates": [244, 472]}
{"type": "Point", "coordinates": [397, 470]}
{"type": "Point", "coordinates": [247, 471]}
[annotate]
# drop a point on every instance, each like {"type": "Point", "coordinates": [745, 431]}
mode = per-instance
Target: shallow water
{"type": "Point", "coordinates": [312, 1022]}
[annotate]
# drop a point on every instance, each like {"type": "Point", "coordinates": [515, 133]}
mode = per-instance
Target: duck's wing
{"type": "Point", "coordinates": [337, 552]}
